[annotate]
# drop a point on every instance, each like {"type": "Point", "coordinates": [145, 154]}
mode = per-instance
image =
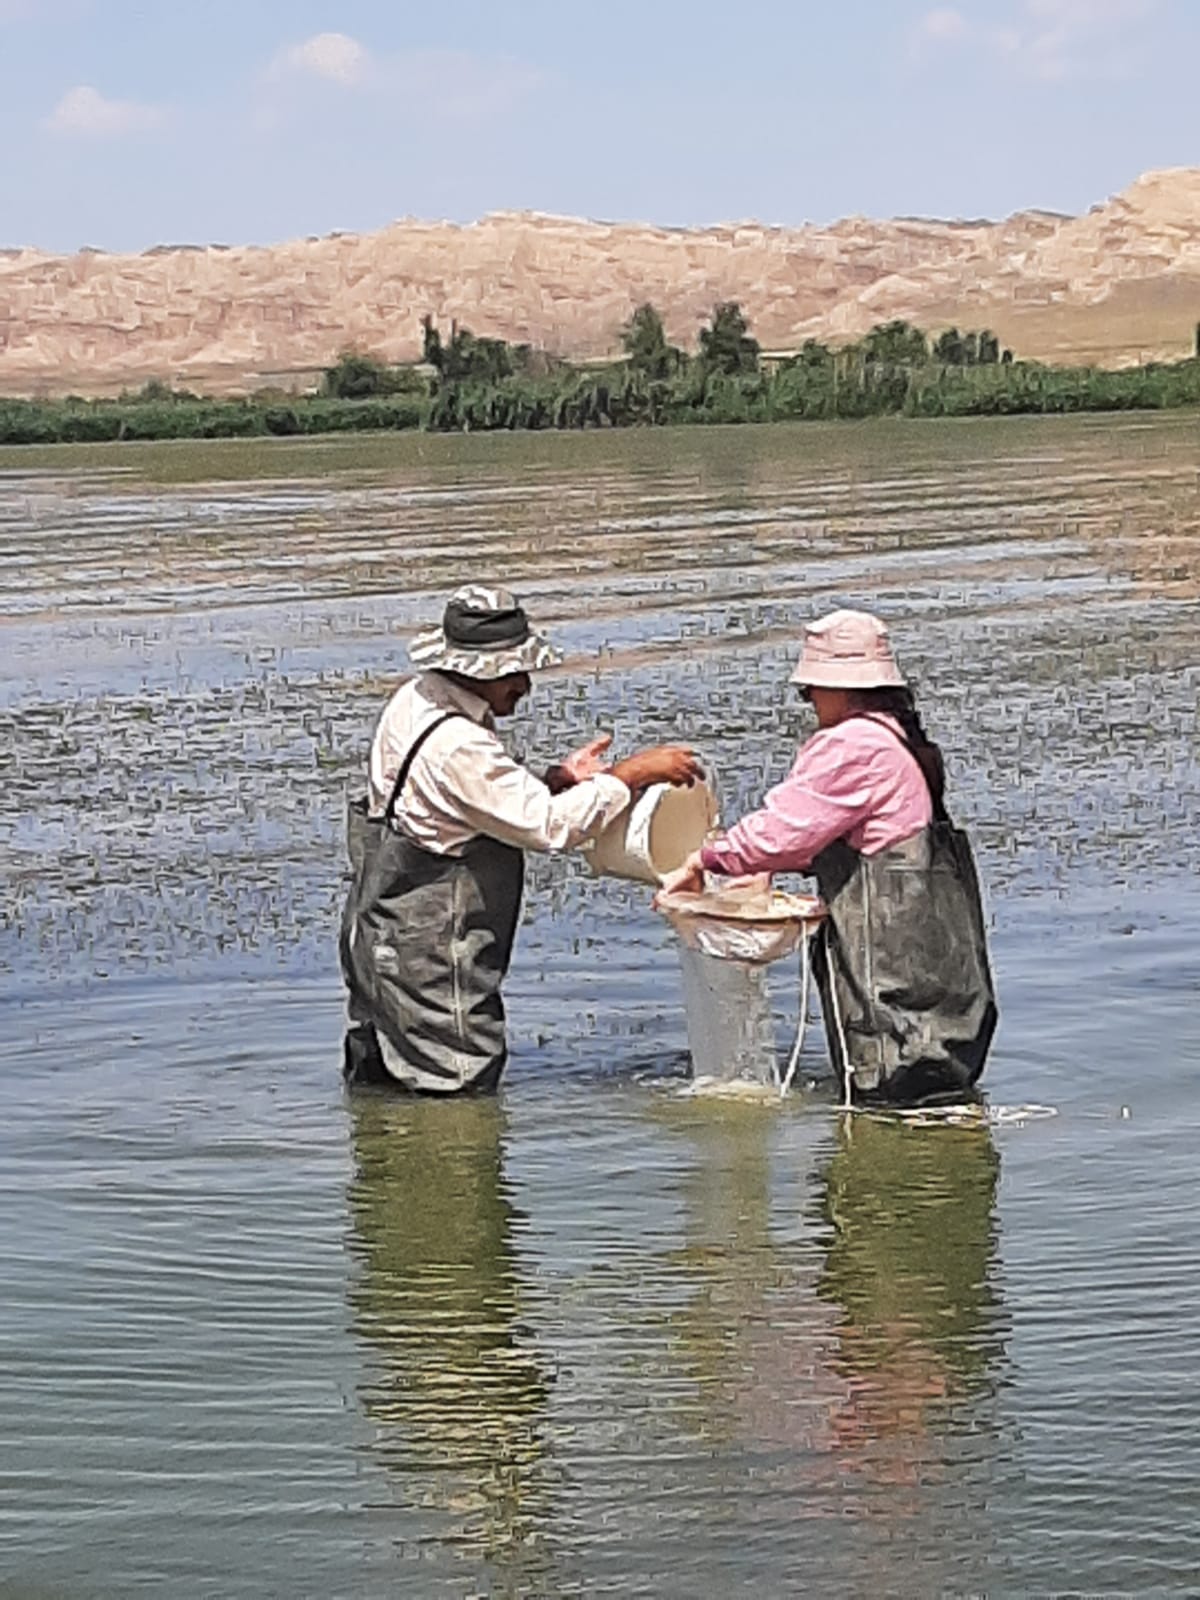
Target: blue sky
{"type": "Point", "coordinates": [128, 124]}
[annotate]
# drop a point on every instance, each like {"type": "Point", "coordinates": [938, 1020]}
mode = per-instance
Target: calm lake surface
{"type": "Point", "coordinates": [257, 1338]}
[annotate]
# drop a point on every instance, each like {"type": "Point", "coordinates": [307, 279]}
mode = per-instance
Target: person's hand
{"type": "Point", "coordinates": [687, 879]}
{"type": "Point", "coordinates": [665, 763]}
{"type": "Point", "coordinates": [587, 761]}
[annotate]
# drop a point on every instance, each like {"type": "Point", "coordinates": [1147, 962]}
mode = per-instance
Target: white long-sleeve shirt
{"type": "Point", "coordinates": [464, 782]}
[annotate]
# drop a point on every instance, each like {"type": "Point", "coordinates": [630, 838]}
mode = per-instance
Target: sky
{"type": "Point", "coordinates": [126, 124]}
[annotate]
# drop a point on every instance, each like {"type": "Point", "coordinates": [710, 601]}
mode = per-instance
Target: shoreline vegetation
{"type": "Point", "coordinates": [471, 384]}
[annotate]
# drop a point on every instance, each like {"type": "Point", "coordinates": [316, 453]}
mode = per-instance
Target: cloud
{"type": "Point", "coordinates": [84, 112]}
{"type": "Point", "coordinates": [409, 84]}
{"type": "Point", "coordinates": [942, 26]}
{"type": "Point", "coordinates": [935, 30]}
{"type": "Point", "coordinates": [1045, 40]}
{"type": "Point", "coordinates": [1057, 39]}
{"type": "Point", "coordinates": [334, 56]}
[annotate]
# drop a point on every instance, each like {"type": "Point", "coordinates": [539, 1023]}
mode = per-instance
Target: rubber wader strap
{"type": "Point", "coordinates": [414, 750]}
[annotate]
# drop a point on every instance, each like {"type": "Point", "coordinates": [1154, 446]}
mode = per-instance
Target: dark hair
{"type": "Point", "coordinates": [901, 705]}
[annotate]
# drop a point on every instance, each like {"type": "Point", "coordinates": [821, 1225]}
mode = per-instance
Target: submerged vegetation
{"type": "Point", "coordinates": [471, 383]}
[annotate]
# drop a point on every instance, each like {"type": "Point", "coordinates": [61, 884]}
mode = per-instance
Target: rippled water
{"type": "Point", "coordinates": [259, 1339]}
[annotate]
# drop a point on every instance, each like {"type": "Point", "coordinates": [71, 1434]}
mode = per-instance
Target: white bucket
{"type": "Point", "coordinates": [656, 834]}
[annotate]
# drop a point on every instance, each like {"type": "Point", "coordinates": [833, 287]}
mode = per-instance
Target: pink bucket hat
{"type": "Point", "coordinates": [848, 650]}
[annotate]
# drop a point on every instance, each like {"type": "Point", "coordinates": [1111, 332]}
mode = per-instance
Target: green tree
{"type": "Point", "coordinates": [155, 390]}
{"type": "Point", "coordinates": [465, 358]}
{"type": "Point", "coordinates": [644, 341]}
{"type": "Point", "coordinates": [431, 343]}
{"type": "Point", "coordinates": [814, 354]}
{"type": "Point", "coordinates": [954, 349]}
{"type": "Point", "coordinates": [726, 345]}
{"type": "Point", "coordinates": [948, 348]}
{"type": "Point", "coordinates": [896, 343]}
{"type": "Point", "coordinates": [355, 376]}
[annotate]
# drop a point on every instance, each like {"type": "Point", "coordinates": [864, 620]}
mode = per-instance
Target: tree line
{"type": "Point", "coordinates": [896, 369]}
{"type": "Point", "coordinates": [466, 382]}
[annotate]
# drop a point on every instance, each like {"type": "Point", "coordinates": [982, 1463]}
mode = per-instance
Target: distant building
{"type": "Point", "coordinates": [771, 360]}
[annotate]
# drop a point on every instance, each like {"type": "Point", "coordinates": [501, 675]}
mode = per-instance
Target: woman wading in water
{"type": "Point", "coordinates": [901, 962]}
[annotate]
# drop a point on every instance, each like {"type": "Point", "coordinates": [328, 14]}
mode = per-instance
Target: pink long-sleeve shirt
{"type": "Point", "coordinates": [855, 781]}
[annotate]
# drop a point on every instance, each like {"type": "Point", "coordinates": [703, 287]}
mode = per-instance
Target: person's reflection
{"type": "Point", "coordinates": [852, 1340]}
{"type": "Point", "coordinates": [456, 1399]}
{"type": "Point", "coordinates": [908, 1269]}
{"type": "Point", "coordinates": [750, 1333]}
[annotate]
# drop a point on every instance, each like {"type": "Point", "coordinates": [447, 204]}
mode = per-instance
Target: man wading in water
{"type": "Point", "coordinates": [437, 849]}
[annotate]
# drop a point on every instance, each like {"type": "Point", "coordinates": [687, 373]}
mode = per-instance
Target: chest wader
{"type": "Point", "coordinates": [425, 944]}
{"type": "Point", "coordinates": [902, 966]}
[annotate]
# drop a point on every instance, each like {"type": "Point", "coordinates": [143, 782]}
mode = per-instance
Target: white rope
{"type": "Point", "coordinates": [805, 981]}
{"type": "Point", "coordinates": [847, 1069]}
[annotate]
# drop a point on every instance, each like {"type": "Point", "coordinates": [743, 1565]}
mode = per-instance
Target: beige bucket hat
{"type": "Point", "coordinates": [848, 650]}
{"type": "Point", "coordinates": [484, 634]}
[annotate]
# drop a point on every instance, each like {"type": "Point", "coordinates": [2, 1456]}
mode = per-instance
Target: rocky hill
{"type": "Point", "coordinates": [1118, 285]}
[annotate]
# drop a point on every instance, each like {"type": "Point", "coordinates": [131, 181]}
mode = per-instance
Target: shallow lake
{"type": "Point", "coordinates": [257, 1338]}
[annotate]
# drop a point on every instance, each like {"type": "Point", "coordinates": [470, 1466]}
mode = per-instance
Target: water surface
{"type": "Point", "coordinates": [258, 1339]}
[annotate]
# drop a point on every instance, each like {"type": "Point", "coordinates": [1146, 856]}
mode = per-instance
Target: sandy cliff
{"type": "Point", "coordinates": [1117, 285]}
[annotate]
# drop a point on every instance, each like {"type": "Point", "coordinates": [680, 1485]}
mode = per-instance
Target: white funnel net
{"type": "Point", "coordinates": [727, 938]}
{"type": "Point", "coordinates": [731, 1034]}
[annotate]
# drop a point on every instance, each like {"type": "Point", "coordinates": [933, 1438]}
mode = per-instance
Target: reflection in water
{"type": "Point", "coordinates": [842, 1338]}
{"type": "Point", "coordinates": [886, 1316]}
{"type": "Point", "coordinates": [456, 1400]}
{"type": "Point", "coordinates": [750, 1327]}
{"type": "Point", "coordinates": [909, 1269]}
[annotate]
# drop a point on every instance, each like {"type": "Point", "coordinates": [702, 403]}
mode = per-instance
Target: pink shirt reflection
{"type": "Point", "coordinates": [855, 781]}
